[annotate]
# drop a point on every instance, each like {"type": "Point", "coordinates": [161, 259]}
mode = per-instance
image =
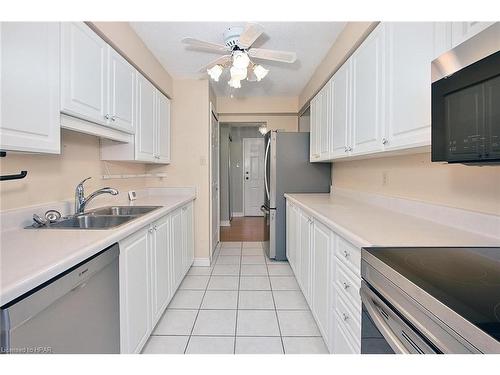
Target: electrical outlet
{"type": "Point", "coordinates": [385, 178]}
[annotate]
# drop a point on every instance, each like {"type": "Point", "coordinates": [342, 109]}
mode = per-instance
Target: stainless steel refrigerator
{"type": "Point", "coordinates": [287, 170]}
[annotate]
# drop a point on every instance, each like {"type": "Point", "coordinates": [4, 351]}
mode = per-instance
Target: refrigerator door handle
{"type": "Point", "coordinates": [266, 183]}
{"type": "Point", "coordinates": [264, 209]}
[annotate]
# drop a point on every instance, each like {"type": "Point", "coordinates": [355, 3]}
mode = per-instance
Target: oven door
{"type": "Point", "coordinates": [385, 330]}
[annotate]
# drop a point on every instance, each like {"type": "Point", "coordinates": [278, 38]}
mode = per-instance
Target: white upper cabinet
{"type": "Point", "coordinates": [163, 128]}
{"type": "Point", "coordinates": [461, 31]}
{"type": "Point", "coordinates": [339, 135]}
{"type": "Point", "coordinates": [84, 73]}
{"type": "Point", "coordinates": [29, 87]}
{"type": "Point", "coordinates": [314, 136]}
{"type": "Point", "coordinates": [368, 94]}
{"type": "Point", "coordinates": [409, 53]}
{"type": "Point", "coordinates": [325, 122]}
{"type": "Point", "coordinates": [122, 83]}
{"type": "Point", "coordinates": [145, 143]}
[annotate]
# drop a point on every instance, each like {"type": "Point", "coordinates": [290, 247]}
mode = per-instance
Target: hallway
{"type": "Point", "coordinates": [248, 228]}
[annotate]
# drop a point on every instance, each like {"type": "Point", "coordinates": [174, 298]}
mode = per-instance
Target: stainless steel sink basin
{"type": "Point", "coordinates": [122, 210]}
{"type": "Point", "coordinates": [91, 222]}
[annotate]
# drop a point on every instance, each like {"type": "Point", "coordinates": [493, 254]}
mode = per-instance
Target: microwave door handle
{"type": "Point", "coordinates": [378, 319]}
{"type": "Point", "coordinates": [266, 183]}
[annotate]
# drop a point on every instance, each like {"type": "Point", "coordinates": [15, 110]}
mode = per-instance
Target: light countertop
{"type": "Point", "coordinates": [365, 224]}
{"type": "Point", "coordinates": [29, 257]}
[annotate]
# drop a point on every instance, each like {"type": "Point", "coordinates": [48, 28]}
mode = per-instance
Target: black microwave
{"type": "Point", "coordinates": [466, 101]}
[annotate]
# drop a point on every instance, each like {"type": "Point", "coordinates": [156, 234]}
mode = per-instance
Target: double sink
{"type": "Point", "coordinates": [102, 218]}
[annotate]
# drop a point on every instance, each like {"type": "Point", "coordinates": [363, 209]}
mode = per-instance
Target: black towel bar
{"type": "Point", "coordinates": [14, 176]}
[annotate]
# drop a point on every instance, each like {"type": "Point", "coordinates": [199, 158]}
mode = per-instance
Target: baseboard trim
{"type": "Point", "coordinates": [238, 214]}
{"type": "Point", "coordinates": [201, 262]}
{"type": "Point", "coordinates": [225, 223]}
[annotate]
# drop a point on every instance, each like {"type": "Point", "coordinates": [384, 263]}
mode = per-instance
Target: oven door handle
{"type": "Point", "coordinates": [377, 310]}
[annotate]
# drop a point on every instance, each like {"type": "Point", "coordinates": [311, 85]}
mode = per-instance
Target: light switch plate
{"type": "Point", "coordinates": [132, 195]}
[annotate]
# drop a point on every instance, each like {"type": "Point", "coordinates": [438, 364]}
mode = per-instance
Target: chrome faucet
{"type": "Point", "coordinates": [81, 201]}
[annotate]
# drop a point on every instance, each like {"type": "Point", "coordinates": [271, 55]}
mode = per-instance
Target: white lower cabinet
{"type": "Point", "coordinates": [135, 291]}
{"type": "Point", "coordinates": [327, 268]}
{"type": "Point", "coordinates": [153, 262]}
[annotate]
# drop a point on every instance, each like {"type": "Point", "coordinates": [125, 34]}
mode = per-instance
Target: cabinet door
{"type": "Point", "coordinates": [321, 277]}
{"type": "Point", "coordinates": [135, 305]}
{"type": "Point", "coordinates": [160, 268]}
{"type": "Point", "coordinates": [339, 139]}
{"type": "Point", "coordinates": [84, 72]}
{"type": "Point", "coordinates": [29, 87]}
{"type": "Point", "coordinates": [325, 123]}
{"type": "Point", "coordinates": [368, 94]}
{"type": "Point", "coordinates": [177, 248]}
{"type": "Point", "coordinates": [409, 53]}
{"type": "Point", "coordinates": [145, 143]}
{"type": "Point", "coordinates": [314, 135]}
{"type": "Point", "coordinates": [305, 254]}
{"type": "Point", "coordinates": [461, 31]}
{"type": "Point", "coordinates": [163, 128]}
{"type": "Point", "coordinates": [292, 238]}
{"type": "Point", "coordinates": [187, 236]}
{"type": "Point", "coordinates": [121, 92]}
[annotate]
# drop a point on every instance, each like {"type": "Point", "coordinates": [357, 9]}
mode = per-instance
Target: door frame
{"type": "Point", "coordinates": [243, 172]}
{"type": "Point", "coordinates": [212, 116]}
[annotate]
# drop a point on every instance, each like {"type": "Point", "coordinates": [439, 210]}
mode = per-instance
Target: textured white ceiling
{"type": "Point", "coordinates": [310, 40]}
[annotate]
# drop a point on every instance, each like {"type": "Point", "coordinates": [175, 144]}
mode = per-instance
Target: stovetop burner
{"type": "Point", "coordinates": [467, 280]}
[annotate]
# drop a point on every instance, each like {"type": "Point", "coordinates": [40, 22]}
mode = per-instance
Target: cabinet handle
{"type": "Point", "coordinates": [345, 317]}
{"type": "Point", "coordinates": [150, 230]}
{"type": "Point", "coordinates": [184, 208]}
{"type": "Point", "coordinates": [350, 149]}
{"type": "Point", "coordinates": [106, 116]}
{"type": "Point", "coordinates": [155, 227]}
{"type": "Point", "coordinates": [385, 141]}
{"type": "Point", "coordinates": [346, 149]}
{"type": "Point", "coordinates": [346, 285]}
{"type": "Point", "coordinates": [346, 254]}
{"type": "Point", "coordinates": [113, 118]}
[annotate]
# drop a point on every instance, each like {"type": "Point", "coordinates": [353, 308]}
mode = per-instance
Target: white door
{"type": "Point", "coordinates": [315, 109]}
{"type": "Point", "coordinates": [135, 284]}
{"type": "Point", "coordinates": [187, 236]}
{"type": "Point", "coordinates": [410, 50]}
{"type": "Point", "coordinates": [253, 176]}
{"type": "Point", "coordinates": [162, 128]}
{"type": "Point", "coordinates": [160, 267]}
{"type": "Point", "coordinates": [29, 87]}
{"type": "Point", "coordinates": [121, 93]}
{"type": "Point", "coordinates": [339, 139]}
{"type": "Point", "coordinates": [321, 277]}
{"type": "Point", "coordinates": [292, 246]}
{"type": "Point", "coordinates": [368, 94]}
{"type": "Point", "coordinates": [145, 131]}
{"type": "Point", "coordinates": [176, 245]}
{"type": "Point", "coordinates": [84, 70]}
{"type": "Point", "coordinates": [325, 124]}
{"type": "Point", "coordinates": [214, 179]}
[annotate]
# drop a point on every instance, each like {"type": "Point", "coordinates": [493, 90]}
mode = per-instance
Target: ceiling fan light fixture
{"type": "Point", "coordinates": [234, 83]}
{"type": "Point", "coordinates": [241, 59]}
{"type": "Point", "coordinates": [263, 129]}
{"type": "Point", "coordinates": [238, 73]}
{"type": "Point", "coordinates": [260, 72]}
{"type": "Point", "coordinates": [214, 72]}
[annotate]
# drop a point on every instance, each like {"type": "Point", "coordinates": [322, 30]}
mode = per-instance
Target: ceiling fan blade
{"type": "Point", "coordinates": [250, 74]}
{"type": "Point", "coordinates": [269, 54]}
{"type": "Point", "coordinates": [205, 45]}
{"type": "Point", "coordinates": [219, 61]}
{"type": "Point", "coordinates": [250, 34]}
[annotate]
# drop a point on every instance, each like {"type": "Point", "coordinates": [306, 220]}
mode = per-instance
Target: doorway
{"type": "Point", "coordinates": [241, 193]}
{"type": "Point", "coordinates": [214, 179]}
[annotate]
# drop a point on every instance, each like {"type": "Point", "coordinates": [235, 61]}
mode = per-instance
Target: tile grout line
{"type": "Point", "coordinates": [201, 302]}
{"type": "Point", "coordinates": [275, 309]}
{"type": "Point", "coordinates": [238, 300]}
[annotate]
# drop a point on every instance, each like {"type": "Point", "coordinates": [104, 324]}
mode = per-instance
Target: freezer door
{"type": "Point", "coordinates": [269, 242]}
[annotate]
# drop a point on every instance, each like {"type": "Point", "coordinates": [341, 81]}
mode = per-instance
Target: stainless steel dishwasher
{"type": "Point", "coordinates": [75, 312]}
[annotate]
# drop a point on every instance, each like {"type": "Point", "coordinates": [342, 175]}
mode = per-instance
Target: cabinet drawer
{"type": "Point", "coordinates": [349, 255]}
{"type": "Point", "coordinates": [343, 342]}
{"type": "Point", "coordinates": [349, 316]}
{"type": "Point", "coordinates": [347, 283]}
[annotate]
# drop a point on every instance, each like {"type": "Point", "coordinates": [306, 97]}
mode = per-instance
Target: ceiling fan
{"type": "Point", "coordinates": [238, 50]}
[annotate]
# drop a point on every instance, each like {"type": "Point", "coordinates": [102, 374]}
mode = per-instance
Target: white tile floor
{"type": "Point", "coordinates": [244, 304]}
